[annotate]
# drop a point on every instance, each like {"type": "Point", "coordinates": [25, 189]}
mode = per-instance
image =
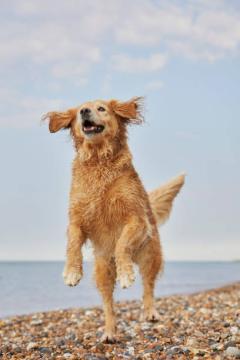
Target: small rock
{"type": "Point", "coordinates": [45, 350]}
{"type": "Point", "coordinates": [217, 346]}
{"type": "Point", "coordinates": [131, 350]}
{"type": "Point", "coordinates": [89, 312]}
{"type": "Point", "coordinates": [185, 350]}
{"type": "Point", "coordinates": [201, 352]}
{"type": "Point", "coordinates": [70, 336]}
{"type": "Point", "coordinates": [198, 333]}
{"type": "Point", "coordinates": [192, 342]}
{"type": "Point", "coordinates": [60, 342]}
{"type": "Point", "coordinates": [5, 348]}
{"type": "Point", "coordinates": [148, 351]}
{"type": "Point", "coordinates": [158, 348]}
{"type": "Point", "coordinates": [36, 322]}
{"type": "Point", "coordinates": [226, 324]}
{"type": "Point", "coordinates": [17, 349]}
{"type": "Point", "coordinates": [190, 309]}
{"type": "Point", "coordinates": [232, 351]}
{"type": "Point", "coordinates": [78, 343]}
{"type": "Point", "coordinates": [150, 337]}
{"type": "Point", "coordinates": [234, 330]}
{"type": "Point", "coordinates": [229, 344]}
{"type": "Point", "coordinates": [32, 345]}
{"type": "Point", "coordinates": [67, 355]}
{"type": "Point", "coordinates": [127, 338]}
{"type": "Point", "coordinates": [145, 326]}
{"type": "Point", "coordinates": [174, 350]}
{"type": "Point", "coordinates": [100, 346]}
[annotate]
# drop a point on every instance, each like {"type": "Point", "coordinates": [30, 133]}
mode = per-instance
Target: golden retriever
{"type": "Point", "coordinates": [109, 205]}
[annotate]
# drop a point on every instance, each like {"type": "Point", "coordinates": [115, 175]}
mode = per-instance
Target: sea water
{"type": "Point", "coordinates": [27, 287]}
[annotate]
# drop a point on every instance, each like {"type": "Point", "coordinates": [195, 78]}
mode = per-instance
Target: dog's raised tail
{"type": "Point", "coordinates": [161, 199]}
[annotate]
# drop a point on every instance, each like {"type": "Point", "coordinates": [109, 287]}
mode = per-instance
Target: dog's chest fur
{"type": "Point", "coordinates": [89, 197]}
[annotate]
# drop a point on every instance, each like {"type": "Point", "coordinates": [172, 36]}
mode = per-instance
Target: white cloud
{"type": "Point", "coordinates": [25, 111]}
{"type": "Point", "coordinates": [199, 29]}
{"type": "Point", "coordinates": [63, 36]}
{"type": "Point", "coordinates": [52, 33]}
{"type": "Point", "coordinates": [66, 40]}
{"type": "Point", "coordinates": [125, 63]}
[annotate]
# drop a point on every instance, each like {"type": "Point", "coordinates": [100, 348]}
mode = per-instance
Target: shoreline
{"type": "Point", "coordinates": [200, 325]}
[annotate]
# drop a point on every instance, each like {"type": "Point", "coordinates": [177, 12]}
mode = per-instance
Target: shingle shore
{"type": "Point", "coordinates": [203, 325]}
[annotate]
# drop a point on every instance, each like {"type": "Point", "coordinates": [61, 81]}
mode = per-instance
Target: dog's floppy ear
{"type": "Point", "coordinates": [60, 119]}
{"type": "Point", "coordinates": [129, 111]}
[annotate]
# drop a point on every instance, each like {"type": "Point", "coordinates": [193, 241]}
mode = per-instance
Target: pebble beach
{"type": "Point", "coordinates": [204, 325]}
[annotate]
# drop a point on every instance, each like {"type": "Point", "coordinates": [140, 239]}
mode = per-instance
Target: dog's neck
{"type": "Point", "coordinates": [105, 152]}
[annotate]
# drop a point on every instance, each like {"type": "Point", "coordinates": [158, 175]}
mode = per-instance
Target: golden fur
{"type": "Point", "coordinates": [109, 205]}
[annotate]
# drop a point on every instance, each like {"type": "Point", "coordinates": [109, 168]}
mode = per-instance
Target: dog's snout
{"type": "Point", "coordinates": [85, 111]}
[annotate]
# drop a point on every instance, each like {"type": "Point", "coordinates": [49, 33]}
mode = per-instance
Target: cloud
{"type": "Point", "coordinates": [63, 37]}
{"type": "Point", "coordinates": [21, 111]}
{"type": "Point", "coordinates": [70, 37]}
{"type": "Point", "coordinates": [65, 41]}
{"type": "Point", "coordinates": [199, 29]}
{"type": "Point", "coordinates": [125, 63]}
{"type": "Point", "coordinates": [52, 33]}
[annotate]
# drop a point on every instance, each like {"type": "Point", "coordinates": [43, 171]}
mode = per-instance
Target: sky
{"type": "Point", "coordinates": [183, 56]}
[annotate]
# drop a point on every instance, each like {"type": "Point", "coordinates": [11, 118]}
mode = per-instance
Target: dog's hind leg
{"type": "Point", "coordinates": [150, 263]}
{"type": "Point", "coordinates": [105, 276]}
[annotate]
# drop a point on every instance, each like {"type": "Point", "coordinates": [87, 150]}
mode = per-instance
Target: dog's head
{"type": "Point", "coordinates": [98, 121]}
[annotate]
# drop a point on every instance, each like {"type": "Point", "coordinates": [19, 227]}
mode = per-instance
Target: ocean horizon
{"type": "Point", "coordinates": [36, 286]}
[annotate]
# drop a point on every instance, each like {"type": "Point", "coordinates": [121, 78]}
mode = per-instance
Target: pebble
{"type": "Point", "coordinates": [32, 345]}
{"type": "Point", "coordinates": [217, 346]}
{"type": "Point", "coordinates": [192, 342]}
{"type": "Point", "coordinates": [230, 344]}
{"type": "Point", "coordinates": [211, 331]}
{"type": "Point", "coordinates": [174, 350]}
{"type": "Point", "coordinates": [60, 342]}
{"type": "Point", "coordinates": [234, 330]}
{"type": "Point", "coordinates": [131, 350]}
{"type": "Point", "coordinates": [233, 351]}
{"type": "Point", "coordinates": [100, 346]}
{"type": "Point", "coordinates": [36, 322]}
{"type": "Point", "coordinates": [67, 355]}
{"type": "Point", "coordinates": [45, 350]}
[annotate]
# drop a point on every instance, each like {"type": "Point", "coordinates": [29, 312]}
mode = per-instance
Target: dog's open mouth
{"type": "Point", "coordinates": [89, 127]}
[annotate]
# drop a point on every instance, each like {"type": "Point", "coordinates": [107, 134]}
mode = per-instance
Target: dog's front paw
{"type": "Point", "coordinates": [108, 338]}
{"type": "Point", "coordinates": [71, 277]}
{"type": "Point", "coordinates": [151, 315]}
{"type": "Point", "coordinates": [126, 278]}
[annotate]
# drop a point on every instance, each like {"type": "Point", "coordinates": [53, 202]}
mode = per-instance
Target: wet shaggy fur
{"type": "Point", "coordinates": [109, 205]}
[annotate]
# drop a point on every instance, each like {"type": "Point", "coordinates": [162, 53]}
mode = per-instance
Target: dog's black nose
{"type": "Point", "coordinates": [85, 111]}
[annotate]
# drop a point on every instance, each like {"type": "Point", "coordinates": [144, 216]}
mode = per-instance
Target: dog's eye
{"type": "Point", "coordinates": [101, 108]}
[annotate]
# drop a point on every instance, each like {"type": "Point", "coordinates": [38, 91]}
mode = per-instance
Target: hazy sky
{"type": "Point", "coordinates": [184, 56]}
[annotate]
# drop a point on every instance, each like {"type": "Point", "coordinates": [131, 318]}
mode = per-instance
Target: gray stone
{"type": "Point", "coordinates": [233, 351]}
{"type": "Point", "coordinates": [45, 350]}
{"type": "Point", "coordinates": [230, 344]}
{"type": "Point", "coordinates": [234, 330]}
{"type": "Point", "coordinates": [158, 348]}
{"type": "Point", "coordinates": [17, 349]}
{"type": "Point", "coordinates": [174, 350]}
{"type": "Point", "coordinates": [60, 342]}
